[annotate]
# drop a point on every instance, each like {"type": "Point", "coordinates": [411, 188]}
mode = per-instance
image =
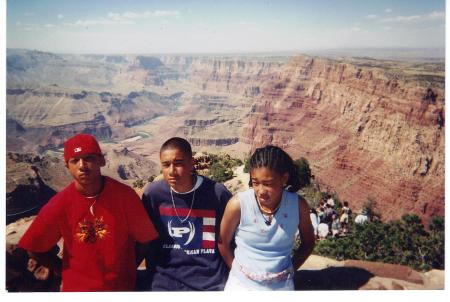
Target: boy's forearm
{"type": "Point", "coordinates": [141, 250]}
{"type": "Point", "coordinates": [49, 260]}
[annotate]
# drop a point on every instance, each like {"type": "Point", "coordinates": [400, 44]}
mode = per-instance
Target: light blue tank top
{"type": "Point", "coordinates": [263, 252]}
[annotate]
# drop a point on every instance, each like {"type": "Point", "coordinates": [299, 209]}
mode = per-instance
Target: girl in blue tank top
{"type": "Point", "coordinates": [264, 221]}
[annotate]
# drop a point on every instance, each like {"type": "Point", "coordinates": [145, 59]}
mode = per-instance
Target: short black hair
{"type": "Point", "coordinates": [177, 143]}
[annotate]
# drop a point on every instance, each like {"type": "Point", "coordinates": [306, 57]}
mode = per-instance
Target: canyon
{"type": "Point", "coordinates": [370, 129]}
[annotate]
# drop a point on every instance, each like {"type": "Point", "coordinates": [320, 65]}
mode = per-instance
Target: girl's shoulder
{"type": "Point", "coordinates": [244, 195]}
{"type": "Point", "coordinates": [234, 204]}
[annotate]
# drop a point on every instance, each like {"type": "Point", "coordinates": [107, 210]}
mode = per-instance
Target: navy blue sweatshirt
{"type": "Point", "coordinates": [186, 256]}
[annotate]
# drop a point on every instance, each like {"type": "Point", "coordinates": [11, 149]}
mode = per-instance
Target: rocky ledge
{"type": "Point", "coordinates": [317, 273]}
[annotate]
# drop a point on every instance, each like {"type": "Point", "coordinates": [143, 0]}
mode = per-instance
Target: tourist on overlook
{"type": "Point", "coordinates": [100, 221]}
{"type": "Point", "coordinates": [345, 217]}
{"type": "Point", "coordinates": [314, 222]}
{"type": "Point", "coordinates": [323, 230]}
{"type": "Point", "coordinates": [335, 226]}
{"type": "Point", "coordinates": [321, 211]}
{"type": "Point", "coordinates": [362, 217]}
{"type": "Point", "coordinates": [187, 210]}
{"type": "Point", "coordinates": [264, 221]}
{"type": "Point", "coordinates": [330, 201]}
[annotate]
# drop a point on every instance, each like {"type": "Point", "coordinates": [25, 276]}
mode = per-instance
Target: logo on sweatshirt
{"type": "Point", "coordinates": [197, 232]}
{"type": "Point", "coordinates": [178, 232]}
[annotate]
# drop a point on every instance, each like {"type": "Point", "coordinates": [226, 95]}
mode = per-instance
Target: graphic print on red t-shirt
{"type": "Point", "coordinates": [195, 233]}
{"type": "Point", "coordinates": [88, 231]}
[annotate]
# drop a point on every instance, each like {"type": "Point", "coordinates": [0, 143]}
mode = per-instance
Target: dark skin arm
{"type": "Point", "coordinates": [141, 250]}
{"type": "Point", "coordinates": [230, 221]}
{"type": "Point", "coordinates": [307, 237]}
{"type": "Point", "coordinates": [48, 259]}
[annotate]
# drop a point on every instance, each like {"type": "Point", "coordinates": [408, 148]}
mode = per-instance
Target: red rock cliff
{"type": "Point", "coordinates": [366, 133]}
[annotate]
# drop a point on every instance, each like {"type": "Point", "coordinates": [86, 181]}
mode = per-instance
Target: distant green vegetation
{"type": "Point", "coordinates": [404, 241]}
{"type": "Point", "coordinates": [425, 73]}
{"type": "Point", "coordinates": [140, 183]}
{"type": "Point", "coordinates": [220, 166]}
{"type": "Point", "coordinates": [247, 165]}
{"type": "Point", "coordinates": [304, 171]}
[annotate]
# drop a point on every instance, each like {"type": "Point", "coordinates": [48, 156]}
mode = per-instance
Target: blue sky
{"type": "Point", "coordinates": [98, 26]}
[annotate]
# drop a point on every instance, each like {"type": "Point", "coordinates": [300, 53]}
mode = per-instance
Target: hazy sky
{"type": "Point", "coordinates": [120, 26]}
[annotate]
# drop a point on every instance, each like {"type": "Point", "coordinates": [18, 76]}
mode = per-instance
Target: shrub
{"type": "Point", "coordinates": [139, 183]}
{"type": "Point", "coordinates": [221, 166]}
{"type": "Point", "coordinates": [218, 172]}
{"type": "Point", "coordinates": [304, 172]}
{"type": "Point", "coordinates": [403, 241]}
{"type": "Point", "coordinates": [247, 165]}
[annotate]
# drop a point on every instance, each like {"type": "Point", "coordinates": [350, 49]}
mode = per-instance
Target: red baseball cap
{"type": "Point", "coordinates": [81, 144]}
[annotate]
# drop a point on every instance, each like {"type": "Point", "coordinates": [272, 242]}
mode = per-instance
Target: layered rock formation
{"type": "Point", "coordinates": [231, 75]}
{"type": "Point", "coordinates": [368, 129]}
{"type": "Point", "coordinates": [43, 118]}
{"type": "Point", "coordinates": [367, 133]}
{"type": "Point", "coordinates": [33, 179]}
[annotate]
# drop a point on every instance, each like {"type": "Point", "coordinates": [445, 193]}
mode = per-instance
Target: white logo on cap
{"type": "Point", "coordinates": [77, 150]}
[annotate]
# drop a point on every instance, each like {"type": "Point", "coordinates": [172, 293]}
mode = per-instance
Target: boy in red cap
{"type": "Point", "coordinates": [100, 220]}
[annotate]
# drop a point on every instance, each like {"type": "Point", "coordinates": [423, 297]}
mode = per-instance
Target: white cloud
{"type": "Point", "coordinates": [94, 22]}
{"type": "Point", "coordinates": [436, 15]}
{"type": "Point", "coordinates": [164, 13]}
{"type": "Point", "coordinates": [127, 17]}
{"type": "Point", "coordinates": [355, 29]}
{"type": "Point", "coordinates": [60, 16]}
{"type": "Point", "coordinates": [49, 25]}
{"type": "Point", "coordinates": [133, 15]}
{"type": "Point", "coordinates": [246, 23]}
{"type": "Point", "coordinates": [142, 15]}
{"type": "Point", "coordinates": [113, 15]}
{"type": "Point", "coordinates": [31, 27]}
{"type": "Point", "coordinates": [388, 10]}
{"type": "Point", "coordinates": [402, 18]}
{"type": "Point", "coordinates": [412, 18]}
{"type": "Point", "coordinates": [371, 17]}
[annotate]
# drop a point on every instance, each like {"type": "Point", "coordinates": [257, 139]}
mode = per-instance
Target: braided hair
{"type": "Point", "coordinates": [276, 159]}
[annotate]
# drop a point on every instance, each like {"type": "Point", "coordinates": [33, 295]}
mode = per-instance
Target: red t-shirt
{"type": "Point", "coordinates": [99, 250]}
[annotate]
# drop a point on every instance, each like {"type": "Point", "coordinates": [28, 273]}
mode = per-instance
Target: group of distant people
{"type": "Point", "coordinates": [189, 229]}
{"type": "Point", "coordinates": [328, 221]}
